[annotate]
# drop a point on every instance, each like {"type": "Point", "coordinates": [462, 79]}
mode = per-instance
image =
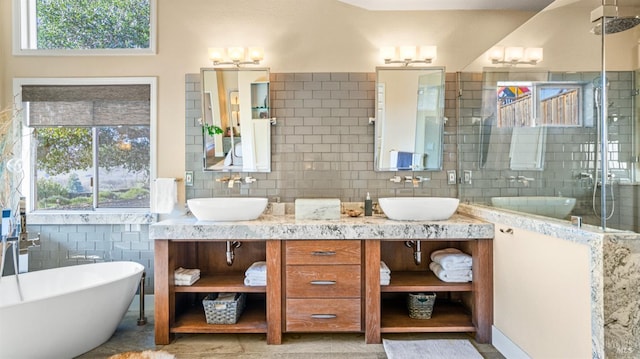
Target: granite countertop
{"type": "Point", "coordinates": [287, 227]}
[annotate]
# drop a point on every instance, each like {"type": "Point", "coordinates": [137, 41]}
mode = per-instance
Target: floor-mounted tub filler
{"type": "Point", "coordinates": [65, 311]}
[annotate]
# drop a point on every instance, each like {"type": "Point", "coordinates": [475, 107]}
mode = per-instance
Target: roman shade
{"type": "Point", "coordinates": [87, 106]}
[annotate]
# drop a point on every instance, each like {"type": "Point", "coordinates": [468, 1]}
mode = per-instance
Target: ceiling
{"type": "Point", "coordinates": [405, 5]}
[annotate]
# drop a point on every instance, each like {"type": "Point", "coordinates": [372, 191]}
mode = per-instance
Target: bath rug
{"type": "Point", "coordinates": [147, 354]}
{"type": "Point", "coordinates": [431, 349]}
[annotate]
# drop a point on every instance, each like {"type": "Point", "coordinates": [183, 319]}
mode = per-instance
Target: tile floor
{"type": "Point", "coordinates": [131, 337]}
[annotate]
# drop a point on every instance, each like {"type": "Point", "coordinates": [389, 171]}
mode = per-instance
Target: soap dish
{"type": "Point", "coordinates": [353, 212]}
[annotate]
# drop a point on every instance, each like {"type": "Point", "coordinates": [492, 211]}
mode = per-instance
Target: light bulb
{"type": "Point", "coordinates": [216, 54]}
{"type": "Point", "coordinates": [236, 53]}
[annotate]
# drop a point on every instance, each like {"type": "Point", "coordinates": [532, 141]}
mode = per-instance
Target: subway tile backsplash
{"type": "Point", "coordinates": [322, 145]}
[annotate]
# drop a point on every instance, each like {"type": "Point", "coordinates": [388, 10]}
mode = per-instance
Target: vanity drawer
{"type": "Point", "coordinates": [323, 315]}
{"type": "Point", "coordinates": [323, 281]}
{"type": "Point", "coordinates": [323, 252]}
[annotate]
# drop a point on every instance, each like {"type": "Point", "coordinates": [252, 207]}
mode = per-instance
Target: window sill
{"type": "Point", "coordinates": [61, 217]}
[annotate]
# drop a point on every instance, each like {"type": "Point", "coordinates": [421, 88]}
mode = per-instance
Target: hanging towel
{"type": "Point", "coordinates": [400, 159]}
{"type": "Point", "coordinates": [166, 196]}
{"type": "Point", "coordinates": [452, 258]}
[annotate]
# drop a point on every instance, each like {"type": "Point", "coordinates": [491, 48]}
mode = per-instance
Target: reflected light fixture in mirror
{"type": "Point", "coordinates": [515, 55]}
{"type": "Point", "coordinates": [235, 56]}
{"type": "Point", "coordinates": [406, 55]}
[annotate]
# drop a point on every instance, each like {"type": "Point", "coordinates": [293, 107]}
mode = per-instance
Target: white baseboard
{"type": "Point", "coordinates": [505, 346]}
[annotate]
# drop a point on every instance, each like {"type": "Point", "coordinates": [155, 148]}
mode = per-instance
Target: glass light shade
{"type": "Point", "coordinates": [428, 52]}
{"type": "Point", "coordinates": [256, 53]}
{"type": "Point", "coordinates": [534, 54]}
{"type": "Point", "coordinates": [236, 53]}
{"type": "Point", "coordinates": [496, 53]}
{"type": "Point", "coordinates": [387, 52]}
{"type": "Point", "coordinates": [407, 52]}
{"type": "Point", "coordinates": [513, 54]}
{"type": "Point", "coordinates": [216, 54]}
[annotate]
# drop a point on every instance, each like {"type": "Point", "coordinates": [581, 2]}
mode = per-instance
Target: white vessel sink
{"type": "Point", "coordinates": [556, 207]}
{"type": "Point", "coordinates": [227, 208]}
{"type": "Point", "coordinates": [419, 208]}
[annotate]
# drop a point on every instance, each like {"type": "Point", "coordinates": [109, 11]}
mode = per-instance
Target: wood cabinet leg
{"type": "Point", "coordinates": [274, 289]}
{"type": "Point", "coordinates": [372, 291]}
{"type": "Point", "coordinates": [163, 288]}
{"type": "Point", "coordinates": [483, 289]}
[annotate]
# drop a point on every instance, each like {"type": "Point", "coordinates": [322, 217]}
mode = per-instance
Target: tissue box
{"type": "Point", "coordinates": [322, 208]}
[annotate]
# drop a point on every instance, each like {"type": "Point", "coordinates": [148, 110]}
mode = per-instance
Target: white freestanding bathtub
{"type": "Point", "coordinates": [66, 311]}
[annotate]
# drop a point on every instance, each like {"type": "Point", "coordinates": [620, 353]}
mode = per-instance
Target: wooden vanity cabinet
{"type": "Point", "coordinates": [323, 286]}
{"type": "Point", "coordinates": [178, 309]}
{"type": "Point", "coordinates": [459, 307]}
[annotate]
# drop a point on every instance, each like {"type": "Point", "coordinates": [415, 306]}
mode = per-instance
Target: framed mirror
{"type": "Point", "coordinates": [410, 119]}
{"type": "Point", "coordinates": [236, 119]}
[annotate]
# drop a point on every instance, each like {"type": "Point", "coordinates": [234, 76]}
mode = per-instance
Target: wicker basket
{"type": "Point", "coordinates": [223, 312]}
{"type": "Point", "coordinates": [421, 305]}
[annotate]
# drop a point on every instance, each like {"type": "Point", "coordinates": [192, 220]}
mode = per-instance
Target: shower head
{"type": "Point", "coordinates": [614, 25]}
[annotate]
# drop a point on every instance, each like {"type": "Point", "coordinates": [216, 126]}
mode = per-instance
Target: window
{"type": "Point", "coordinates": [90, 143]}
{"type": "Point", "coordinates": [72, 27]}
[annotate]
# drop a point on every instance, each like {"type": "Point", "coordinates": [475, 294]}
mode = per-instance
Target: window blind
{"type": "Point", "coordinates": [87, 105]}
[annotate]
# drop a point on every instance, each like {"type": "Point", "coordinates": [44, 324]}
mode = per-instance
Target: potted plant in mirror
{"type": "Point", "coordinates": [212, 129]}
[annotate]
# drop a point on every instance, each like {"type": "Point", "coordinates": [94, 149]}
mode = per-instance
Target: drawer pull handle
{"type": "Point", "coordinates": [507, 231]}
{"type": "Point", "coordinates": [323, 282]}
{"type": "Point", "coordinates": [323, 316]}
{"type": "Point", "coordinates": [323, 253]}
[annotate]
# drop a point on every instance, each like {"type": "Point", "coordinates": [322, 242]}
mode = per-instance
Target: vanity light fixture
{"type": "Point", "coordinates": [235, 56]}
{"type": "Point", "coordinates": [515, 55]}
{"type": "Point", "coordinates": [406, 55]}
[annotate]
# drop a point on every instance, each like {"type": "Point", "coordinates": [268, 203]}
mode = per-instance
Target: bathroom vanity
{"type": "Point", "coordinates": [323, 276]}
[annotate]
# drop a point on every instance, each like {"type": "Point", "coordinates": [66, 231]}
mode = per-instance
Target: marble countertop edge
{"type": "Point", "coordinates": [269, 227]}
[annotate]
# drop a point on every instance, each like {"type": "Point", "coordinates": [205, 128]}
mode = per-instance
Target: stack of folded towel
{"type": "Point", "coordinates": [256, 274]}
{"type": "Point", "coordinates": [184, 276]}
{"type": "Point", "coordinates": [451, 265]}
{"type": "Point", "coordinates": [385, 274]}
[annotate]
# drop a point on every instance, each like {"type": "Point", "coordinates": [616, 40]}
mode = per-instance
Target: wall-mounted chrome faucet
{"type": "Point", "coordinates": [236, 179]}
{"type": "Point", "coordinates": [521, 179]}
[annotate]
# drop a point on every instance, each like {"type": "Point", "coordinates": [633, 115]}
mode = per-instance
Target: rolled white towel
{"type": "Point", "coordinates": [257, 268]}
{"type": "Point", "coordinates": [452, 258]}
{"type": "Point", "coordinates": [384, 268]}
{"type": "Point", "coordinates": [451, 276]}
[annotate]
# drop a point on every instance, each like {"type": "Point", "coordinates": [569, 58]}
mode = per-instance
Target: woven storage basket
{"type": "Point", "coordinates": [421, 305]}
{"type": "Point", "coordinates": [223, 312]}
